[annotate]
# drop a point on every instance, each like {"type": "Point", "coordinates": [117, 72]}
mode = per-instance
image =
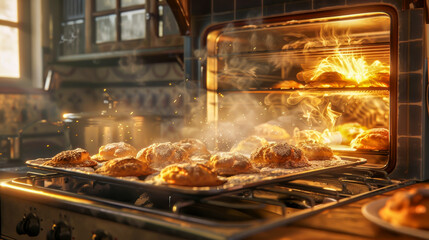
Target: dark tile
{"type": "Point", "coordinates": [396, 3]}
{"type": "Point", "coordinates": [223, 17]}
{"type": "Point", "coordinates": [409, 157]}
{"type": "Point", "coordinates": [417, 22]}
{"type": "Point", "coordinates": [403, 120]}
{"type": "Point", "coordinates": [352, 2]}
{"type": "Point", "coordinates": [223, 5]}
{"type": "Point", "coordinates": [403, 25]}
{"type": "Point", "coordinates": [245, 4]}
{"type": "Point", "coordinates": [416, 51]}
{"type": "Point", "coordinates": [292, 6]}
{"type": "Point", "coordinates": [200, 7]}
{"type": "Point", "coordinates": [403, 57]}
{"type": "Point", "coordinates": [248, 13]}
{"type": "Point", "coordinates": [415, 147]}
{"type": "Point", "coordinates": [403, 88]}
{"type": "Point", "coordinates": [328, 3]}
{"type": "Point", "coordinates": [187, 47]}
{"type": "Point", "coordinates": [415, 122]}
{"type": "Point", "coordinates": [198, 26]}
{"type": "Point", "coordinates": [273, 2]}
{"type": "Point", "coordinates": [415, 87]}
{"type": "Point", "coordinates": [274, 9]}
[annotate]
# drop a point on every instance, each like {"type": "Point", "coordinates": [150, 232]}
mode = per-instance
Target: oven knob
{"type": "Point", "coordinates": [59, 231]}
{"type": "Point", "coordinates": [29, 225]}
{"type": "Point", "coordinates": [101, 235]}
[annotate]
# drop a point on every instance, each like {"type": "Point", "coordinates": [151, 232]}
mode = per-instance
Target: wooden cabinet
{"type": "Point", "coordinates": [95, 29]}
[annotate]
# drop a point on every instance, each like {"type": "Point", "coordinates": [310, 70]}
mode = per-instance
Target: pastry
{"type": "Point", "coordinates": [194, 147]}
{"type": "Point", "coordinates": [249, 144]}
{"type": "Point", "coordinates": [316, 151]}
{"type": "Point", "coordinates": [229, 163]}
{"type": "Point", "coordinates": [71, 158]}
{"type": "Point", "coordinates": [159, 155]}
{"type": "Point", "coordinates": [279, 155]}
{"type": "Point", "coordinates": [349, 131]}
{"type": "Point", "coordinates": [408, 208]}
{"type": "Point", "coordinates": [190, 174]}
{"type": "Point", "coordinates": [125, 166]}
{"type": "Point", "coordinates": [372, 139]}
{"type": "Point", "coordinates": [271, 132]}
{"type": "Point", "coordinates": [114, 150]}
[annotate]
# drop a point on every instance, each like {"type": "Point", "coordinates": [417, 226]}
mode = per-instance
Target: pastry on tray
{"type": "Point", "coordinates": [230, 163]}
{"type": "Point", "coordinates": [316, 151]}
{"type": "Point", "coordinates": [190, 174]}
{"type": "Point", "coordinates": [194, 147]}
{"type": "Point", "coordinates": [160, 155]}
{"type": "Point", "coordinates": [125, 166]}
{"type": "Point", "coordinates": [372, 139]}
{"type": "Point", "coordinates": [114, 150]}
{"type": "Point", "coordinates": [279, 155]}
{"type": "Point", "coordinates": [408, 208]}
{"type": "Point", "coordinates": [71, 158]}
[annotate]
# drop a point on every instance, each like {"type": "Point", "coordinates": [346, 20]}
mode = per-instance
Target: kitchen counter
{"type": "Point", "coordinates": [345, 222]}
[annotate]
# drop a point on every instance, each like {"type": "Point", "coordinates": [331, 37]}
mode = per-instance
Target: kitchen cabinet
{"type": "Point", "coordinates": [97, 29]}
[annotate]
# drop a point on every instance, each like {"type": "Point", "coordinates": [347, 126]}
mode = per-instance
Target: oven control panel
{"type": "Point", "coordinates": [24, 219]}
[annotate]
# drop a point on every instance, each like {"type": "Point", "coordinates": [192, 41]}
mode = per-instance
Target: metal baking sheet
{"type": "Point", "coordinates": [233, 183]}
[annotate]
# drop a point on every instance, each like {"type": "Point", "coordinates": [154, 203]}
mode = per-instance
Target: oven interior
{"type": "Point", "coordinates": [323, 79]}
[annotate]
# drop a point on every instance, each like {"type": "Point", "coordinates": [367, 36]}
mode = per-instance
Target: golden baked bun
{"type": "Point", "coordinates": [316, 151]}
{"type": "Point", "coordinates": [159, 155]}
{"type": "Point", "coordinates": [114, 150]}
{"type": "Point", "coordinates": [279, 155]}
{"type": "Point", "coordinates": [190, 174]}
{"type": "Point", "coordinates": [71, 158]}
{"type": "Point", "coordinates": [372, 139]}
{"type": "Point", "coordinates": [125, 166]}
{"type": "Point", "coordinates": [408, 208]}
{"type": "Point", "coordinates": [194, 147]}
{"type": "Point", "coordinates": [271, 132]}
{"type": "Point", "coordinates": [249, 144]}
{"type": "Point", "coordinates": [349, 131]}
{"type": "Point", "coordinates": [230, 163]}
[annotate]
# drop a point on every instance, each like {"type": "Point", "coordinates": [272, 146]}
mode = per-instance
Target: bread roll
{"type": "Point", "coordinates": [71, 158]}
{"type": "Point", "coordinates": [187, 174]}
{"type": "Point", "coordinates": [160, 155]}
{"type": "Point", "coordinates": [279, 155]}
{"type": "Point", "coordinates": [114, 150]}
{"type": "Point", "coordinates": [372, 139]}
{"type": "Point", "coordinates": [125, 166]}
{"type": "Point", "coordinates": [229, 163]}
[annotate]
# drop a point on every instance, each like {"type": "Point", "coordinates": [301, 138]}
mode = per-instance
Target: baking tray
{"type": "Point", "coordinates": [234, 183]}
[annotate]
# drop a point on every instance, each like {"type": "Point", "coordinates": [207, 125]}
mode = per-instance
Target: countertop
{"type": "Point", "coordinates": [345, 222]}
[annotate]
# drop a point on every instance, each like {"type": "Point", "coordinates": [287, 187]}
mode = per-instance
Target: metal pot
{"type": "Point", "coordinates": [92, 130]}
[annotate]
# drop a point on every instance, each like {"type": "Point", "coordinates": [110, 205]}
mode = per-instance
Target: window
{"type": "Point", "coordinates": [119, 23]}
{"type": "Point", "coordinates": [9, 39]}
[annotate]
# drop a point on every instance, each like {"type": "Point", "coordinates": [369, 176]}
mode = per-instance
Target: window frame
{"type": "Point", "coordinates": [24, 45]}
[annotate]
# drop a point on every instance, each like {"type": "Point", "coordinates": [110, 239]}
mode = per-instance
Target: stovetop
{"type": "Point", "coordinates": [230, 215]}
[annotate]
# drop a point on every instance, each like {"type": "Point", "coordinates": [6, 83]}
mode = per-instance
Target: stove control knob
{"type": "Point", "coordinates": [29, 225]}
{"type": "Point", "coordinates": [101, 235]}
{"type": "Point", "coordinates": [59, 231]}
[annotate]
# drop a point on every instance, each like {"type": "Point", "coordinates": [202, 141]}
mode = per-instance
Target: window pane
{"type": "Point", "coordinates": [105, 28]}
{"type": "Point", "coordinates": [133, 25]}
{"type": "Point", "coordinates": [9, 52]}
{"type": "Point", "coordinates": [101, 5]}
{"type": "Point", "coordinates": [9, 10]}
{"type": "Point", "coordinates": [126, 3]}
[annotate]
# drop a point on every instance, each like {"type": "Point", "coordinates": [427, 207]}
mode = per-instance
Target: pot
{"type": "Point", "coordinates": [92, 130]}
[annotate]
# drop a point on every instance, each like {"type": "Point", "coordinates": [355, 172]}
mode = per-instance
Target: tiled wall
{"type": "Point", "coordinates": [411, 107]}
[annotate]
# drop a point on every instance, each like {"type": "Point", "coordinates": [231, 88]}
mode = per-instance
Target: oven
{"type": "Point", "coordinates": [309, 74]}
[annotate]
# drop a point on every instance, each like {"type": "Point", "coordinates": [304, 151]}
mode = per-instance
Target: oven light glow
{"type": "Point", "coordinates": [47, 145]}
